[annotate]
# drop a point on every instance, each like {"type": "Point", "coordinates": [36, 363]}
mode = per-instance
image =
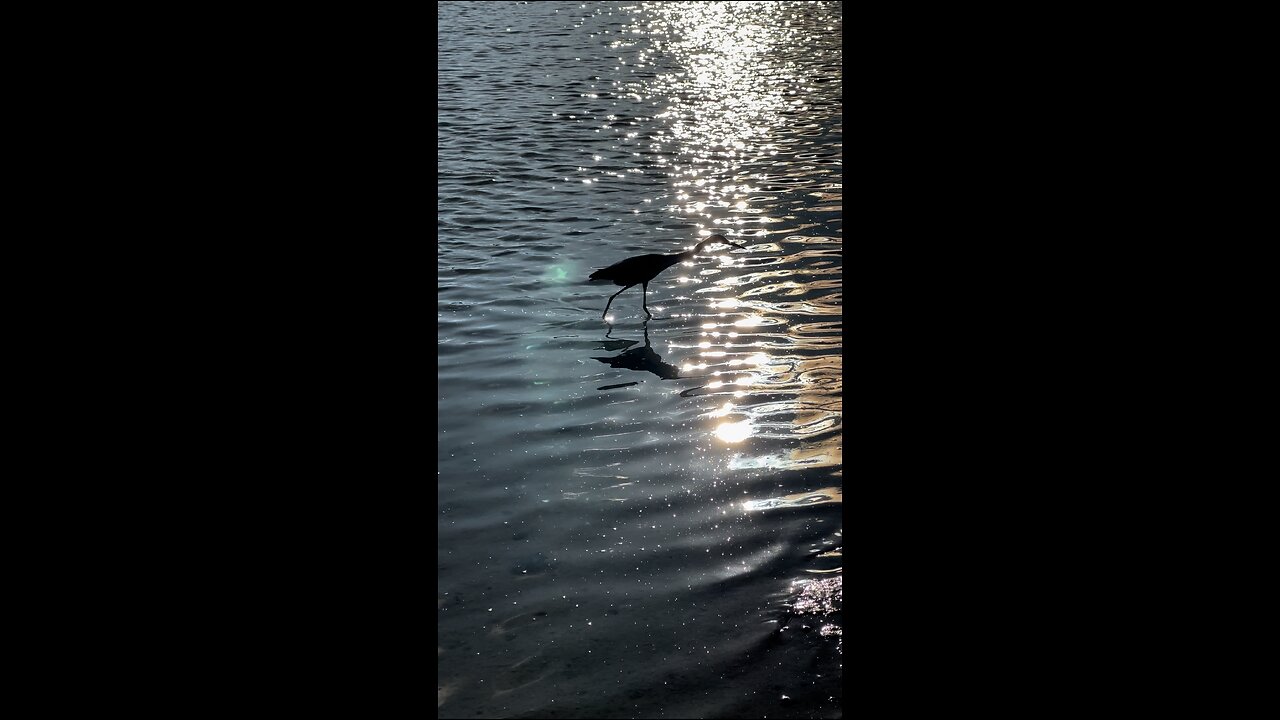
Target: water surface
{"type": "Point", "coordinates": [639, 517]}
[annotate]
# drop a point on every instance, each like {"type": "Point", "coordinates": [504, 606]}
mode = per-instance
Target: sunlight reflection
{"type": "Point", "coordinates": [734, 432]}
{"type": "Point", "coordinates": [804, 499]}
{"type": "Point", "coordinates": [770, 327]}
{"type": "Point", "coordinates": [733, 95]}
{"type": "Point", "coordinates": [816, 454]}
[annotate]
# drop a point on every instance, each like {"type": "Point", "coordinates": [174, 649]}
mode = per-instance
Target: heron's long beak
{"type": "Point", "coordinates": [741, 247]}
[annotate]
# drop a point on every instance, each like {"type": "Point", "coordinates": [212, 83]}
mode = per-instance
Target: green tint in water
{"type": "Point", "coordinates": [561, 274]}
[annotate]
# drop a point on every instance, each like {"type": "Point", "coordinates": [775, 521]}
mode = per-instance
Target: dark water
{"type": "Point", "coordinates": [630, 510]}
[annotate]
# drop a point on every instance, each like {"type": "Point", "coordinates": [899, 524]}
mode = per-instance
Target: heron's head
{"type": "Point", "coordinates": [716, 240]}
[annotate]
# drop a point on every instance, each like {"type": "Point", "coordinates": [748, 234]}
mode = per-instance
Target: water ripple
{"type": "Point", "coordinates": [626, 507]}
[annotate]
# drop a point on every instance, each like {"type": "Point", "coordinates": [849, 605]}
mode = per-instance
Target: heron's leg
{"type": "Point", "coordinates": [611, 297]}
{"type": "Point", "coordinates": [645, 300]}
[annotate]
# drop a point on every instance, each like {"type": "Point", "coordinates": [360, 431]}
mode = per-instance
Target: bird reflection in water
{"type": "Point", "coordinates": [640, 358]}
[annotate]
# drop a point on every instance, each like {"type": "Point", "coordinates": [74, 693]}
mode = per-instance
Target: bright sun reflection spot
{"type": "Point", "coordinates": [734, 432]}
{"type": "Point", "coordinates": [749, 321]}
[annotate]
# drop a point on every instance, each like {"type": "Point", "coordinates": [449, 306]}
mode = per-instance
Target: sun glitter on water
{"type": "Point", "coordinates": [734, 432]}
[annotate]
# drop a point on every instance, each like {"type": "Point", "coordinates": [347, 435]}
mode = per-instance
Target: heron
{"type": "Point", "coordinates": [639, 270]}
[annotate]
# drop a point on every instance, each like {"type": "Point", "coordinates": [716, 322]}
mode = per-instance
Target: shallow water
{"type": "Point", "coordinates": [631, 508]}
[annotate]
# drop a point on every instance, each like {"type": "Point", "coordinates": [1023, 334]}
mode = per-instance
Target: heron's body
{"type": "Point", "coordinates": [639, 270]}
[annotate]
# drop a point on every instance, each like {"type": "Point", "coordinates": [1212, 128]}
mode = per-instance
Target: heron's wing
{"type": "Point", "coordinates": [634, 266]}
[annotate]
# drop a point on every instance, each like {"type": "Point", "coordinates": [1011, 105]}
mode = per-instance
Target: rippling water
{"type": "Point", "coordinates": [632, 508]}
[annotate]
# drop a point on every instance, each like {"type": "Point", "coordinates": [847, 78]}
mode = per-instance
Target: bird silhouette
{"type": "Point", "coordinates": [639, 270]}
